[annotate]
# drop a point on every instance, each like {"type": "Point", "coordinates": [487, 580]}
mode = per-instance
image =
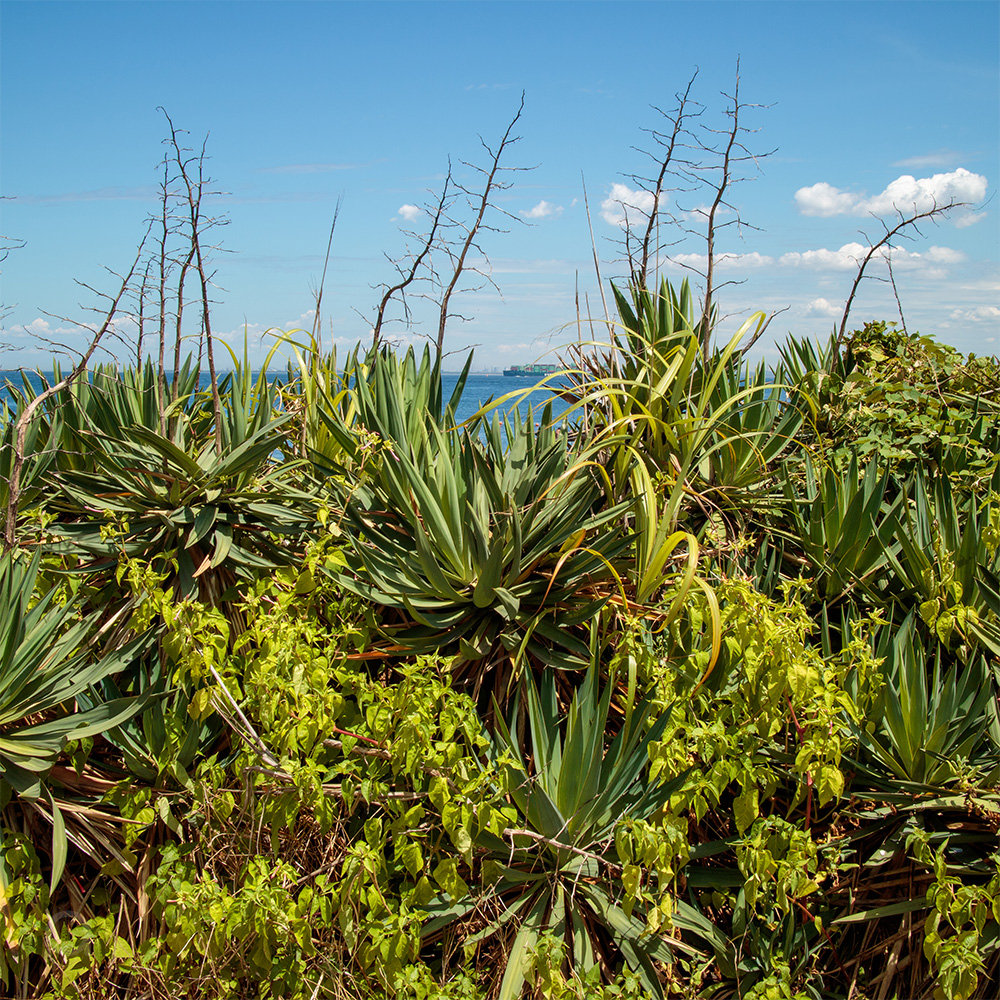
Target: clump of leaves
{"type": "Point", "coordinates": [908, 401]}
{"type": "Point", "coordinates": [490, 547]}
{"type": "Point", "coordinates": [587, 818]}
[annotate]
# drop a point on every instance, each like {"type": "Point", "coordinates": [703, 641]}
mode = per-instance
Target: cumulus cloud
{"type": "Point", "coordinates": [931, 263]}
{"type": "Point", "coordinates": [981, 314]}
{"type": "Point", "coordinates": [944, 255]}
{"type": "Point", "coordinates": [42, 328]}
{"type": "Point", "coordinates": [846, 258]}
{"type": "Point", "coordinates": [625, 207]}
{"type": "Point", "coordinates": [825, 200]}
{"type": "Point", "coordinates": [542, 210]}
{"type": "Point", "coordinates": [905, 193]}
{"type": "Point", "coordinates": [408, 212]}
{"type": "Point", "coordinates": [969, 219]}
{"type": "Point", "coordinates": [822, 307]}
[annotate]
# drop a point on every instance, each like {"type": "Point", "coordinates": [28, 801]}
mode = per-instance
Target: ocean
{"type": "Point", "coordinates": [480, 388]}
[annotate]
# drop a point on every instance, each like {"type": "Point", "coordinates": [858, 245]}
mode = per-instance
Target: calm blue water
{"type": "Point", "coordinates": [479, 389]}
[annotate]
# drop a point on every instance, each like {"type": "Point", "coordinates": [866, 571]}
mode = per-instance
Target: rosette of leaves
{"type": "Point", "coordinates": [752, 437]}
{"type": "Point", "coordinates": [681, 433]}
{"type": "Point", "coordinates": [659, 399]}
{"type": "Point", "coordinates": [935, 722]}
{"type": "Point", "coordinates": [50, 657]}
{"type": "Point", "coordinates": [558, 873]}
{"type": "Point", "coordinates": [843, 523]}
{"type": "Point", "coordinates": [197, 498]}
{"type": "Point", "coordinates": [943, 547]}
{"type": "Point", "coordinates": [40, 446]}
{"type": "Point", "coordinates": [316, 389]}
{"type": "Point", "coordinates": [489, 546]}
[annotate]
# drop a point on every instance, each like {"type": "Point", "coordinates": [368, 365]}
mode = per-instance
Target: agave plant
{"type": "Point", "coordinates": [40, 447]}
{"type": "Point", "coordinates": [559, 873]}
{"type": "Point", "coordinates": [48, 658]}
{"type": "Point", "coordinates": [941, 554]}
{"type": "Point", "coordinates": [814, 374]}
{"type": "Point", "coordinates": [841, 523]}
{"type": "Point", "coordinates": [197, 499]}
{"type": "Point", "coordinates": [315, 390]}
{"type": "Point", "coordinates": [934, 723]}
{"type": "Point", "coordinates": [491, 546]}
{"type": "Point", "coordinates": [171, 733]}
{"type": "Point", "coordinates": [678, 432]}
{"type": "Point", "coordinates": [752, 438]}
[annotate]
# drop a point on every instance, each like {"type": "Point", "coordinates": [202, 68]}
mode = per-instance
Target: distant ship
{"type": "Point", "coordinates": [531, 369]}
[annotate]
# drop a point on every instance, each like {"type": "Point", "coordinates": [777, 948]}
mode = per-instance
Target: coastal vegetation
{"type": "Point", "coordinates": [309, 690]}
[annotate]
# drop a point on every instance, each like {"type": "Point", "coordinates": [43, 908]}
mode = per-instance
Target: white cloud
{"type": "Point", "coordinates": [542, 210]}
{"type": "Point", "coordinates": [123, 324]}
{"type": "Point", "coordinates": [822, 307]}
{"type": "Point", "coordinates": [850, 255]}
{"type": "Point", "coordinates": [40, 327]}
{"type": "Point", "coordinates": [408, 212]}
{"type": "Point", "coordinates": [982, 314]}
{"type": "Point", "coordinates": [905, 194]}
{"type": "Point", "coordinates": [846, 258]}
{"type": "Point", "coordinates": [944, 255]}
{"type": "Point", "coordinates": [825, 200]}
{"type": "Point", "coordinates": [744, 260]}
{"type": "Point", "coordinates": [967, 219]}
{"type": "Point", "coordinates": [700, 213]}
{"type": "Point", "coordinates": [623, 206]}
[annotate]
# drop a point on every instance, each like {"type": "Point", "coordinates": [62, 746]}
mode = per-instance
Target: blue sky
{"type": "Point", "coordinates": [869, 105]}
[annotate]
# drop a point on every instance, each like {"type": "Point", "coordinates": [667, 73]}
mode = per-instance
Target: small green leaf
{"type": "Point", "coordinates": [829, 784]}
{"type": "Point", "coordinates": [631, 875]}
{"type": "Point", "coordinates": [438, 792]}
{"type": "Point", "coordinates": [745, 808]}
{"type": "Point", "coordinates": [446, 875]}
{"type": "Point", "coordinates": [929, 610]}
{"type": "Point", "coordinates": [410, 854]}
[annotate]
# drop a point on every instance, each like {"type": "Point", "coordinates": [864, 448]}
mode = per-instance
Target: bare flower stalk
{"type": "Point", "coordinates": [886, 241]}
{"type": "Point", "coordinates": [469, 242]}
{"type": "Point", "coordinates": [194, 189]}
{"type": "Point", "coordinates": [452, 238]}
{"type": "Point", "coordinates": [317, 321]}
{"type": "Point", "coordinates": [408, 277]}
